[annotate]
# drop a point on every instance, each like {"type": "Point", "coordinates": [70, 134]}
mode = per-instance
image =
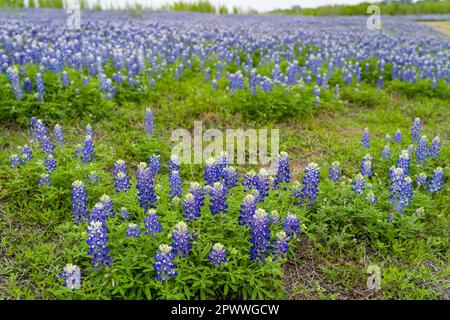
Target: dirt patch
{"type": "Point", "coordinates": [441, 26]}
{"type": "Point", "coordinates": [306, 277]}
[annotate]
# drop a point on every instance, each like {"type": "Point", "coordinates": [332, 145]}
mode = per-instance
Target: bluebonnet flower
{"type": "Point", "coordinates": [198, 192]}
{"type": "Point", "coordinates": [154, 165]}
{"type": "Point", "coordinates": [437, 181]}
{"type": "Point", "coordinates": [274, 217]}
{"type": "Point", "coordinates": [28, 85]}
{"type": "Point", "coordinates": [72, 275]}
{"type": "Point", "coordinates": [107, 202]}
{"type": "Point", "coordinates": [359, 184]}
{"type": "Point", "coordinates": [236, 81]}
{"type": "Point", "coordinates": [366, 166]}
{"type": "Point", "coordinates": [79, 201]}
{"type": "Point", "coordinates": [181, 239]}
{"type": "Point", "coordinates": [88, 152]}
{"type": "Point", "coordinates": [92, 177]}
{"type": "Point", "coordinates": [146, 192]}
{"type": "Point", "coordinates": [398, 136]}
{"type": "Point", "coordinates": [281, 245]}
{"type": "Point", "coordinates": [400, 189]}
{"type": "Point", "coordinates": [260, 236]}
{"type": "Point", "coordinates": [230, 177]}
{"type": "Point", "coordinates": [422, 149]}
{"type": "Point", "coordinates": [380, 82]}
{"type": "Point", "coordinates": [218, 199]}
{"type": "Point", "coordinates": [249, 180]}
{"type": "Point", "coordinates": [44, 180]}
{"type": "Point", "coordinates": [14, 79]}
{"type": "Point", "coordinates": [212, 171]}
{"type": "Point", "coordinates": [88, 130]}
{"type": "Point", "coordinates": [148, 121]}
{"type": "Point", "coordinates": [214, 83]}
{"type": "Point", "coordinates": [65, 80]}
{"type": "Point", "coordinates": [191, 208]}
{"type": "Point", "coordinates": [59, 135]}
{"type": "Point", "coordinates": [27, 154]}
{"type": "Point", "coordinates": [365, 139]}
{"type": "Point", "coordinates": [403, 161]}
{"type": "Point", "coordinates": [151, 223]}
{"type": "Point", "coordinates": [163, 265]}
{"type": "Point", "coordinates": [124, 213]}
{"type": "Point", "coordinates": [97, 241]}
{"type": "Point", "coordinates": [50, 163]}
{"type": "Point", "coordinates": [175, 184]}
{"type": "Point", "coordinates": [416, 129]}
{"type": "Point", "coordinates": [247, 211]}
{"type": "Point", "coordinates": [411, 148]}
{"type": "Point", "coordinates": [262, 185]}
{"type": "Point", "coordinates": [291, 225]}
{"type": "Point", "coordinates": [122, 182]}
{"type": "Point", "coordinates": [14, 160]}
{"type": "Point", "coordinates": [119, 166]}
{"type": "Point", "coordinates": [266, 84]}
{"type": "Point", "coordinates": [335, 171]}
{"type": "Point", "coordinates": [386, 152]}
{"type": "Point", "coordinates": [78, 151]}
{"type": "Point", "coordinates": [217, 255]}
{"type": "Point", "coordinates": [40, 87]}
{"type": "Point", "coordinates": [283, 170]}
{"type": "Point", "coordinates": [133, 230]}
{"type": "Point", "coordinates": [435, 147]}
{"type": "Point", "coordinates": [174, 163]}
{"type": "Point", "coordinates": [421, 178]}
{"type": "Point", "coordinates": [310, 183]}
{"type": "Point", "coordinates": [98, 212]}
{"type": "Point", "coordinates": [371, 197]}
{"type": "Point", "coordinates": [47, 145]}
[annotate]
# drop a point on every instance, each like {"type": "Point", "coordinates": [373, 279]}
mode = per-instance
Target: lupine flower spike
{"type": "Point", "coordinates": [217, 255]}
{"type": "Point", "coordinates": [163, 265]}
{"type": "Point", "coordinates": [72, 275]}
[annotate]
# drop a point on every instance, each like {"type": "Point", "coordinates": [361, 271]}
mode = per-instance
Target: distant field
{"type": "Point", "coordinates": [442, 26]}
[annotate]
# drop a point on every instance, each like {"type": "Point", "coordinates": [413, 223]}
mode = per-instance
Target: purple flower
{"type": "Point", "coordinates": [437, 181]}
{"type": "Point", "coordinates": [88, 150]}
{"type": "Point", "coordinates": [365, 139]}
{"type": "Point", "coordinates": [97, 242]}
{"type": "Point", "coordinates": [435, 147]}
{"type": "Point", "coordinates": [133, 230]}
{"type": "Point", "coordinates": [310, 184]}
{"type": "Point", "coordinates": [358, 184]}
{"type": "Point", "coordinates": [422, 149]}
{"type": "Point", "coordinates": [281, 245]}
{"type": "Point", "coordinates": [175, 184]}
{"type": "Point", "coordinates": [92, 177]}
{"type": "Point", "coordinates": [151, 223]}
{"type": "Point", "coordinates": [247, 211]}
{"type": "Point", "coordinates": [79, 201]}
{"type": "Point", "coordinates": [88, 130]}
{"type": "Point", "coordinates": [14, 161]}
{"type": "Point", "coordinates": [27, 154]}
{"type": "Point", "coordinates": [421, 178]}
{"type": "Point", "coordinates": [291, 225]}
{"type": "Point", "coordinates": [398, 136]}
{"type": "Point", "coordinates": [154, 165]}
{"type": "Point", "coordinates": [148, 121]}
{"type": "Point", "coordinates": [386, 152]}
{"type": "Point", "coordinates": [260, 236]}
{"type": "Point", "coordinates": [366, 166]}
{"type": "Point", "coordinates": [124, 213]}
{"type": "Point", "coordinates": [230, 177]}
{"type": "Point", "coordinates": [403, 161]}
{"type": "Point", "coordinates": [163, 265]}
{"type": "Point", "coordinates": [72, 274]}
{"type": "Point", "coordinates": [174, 163]}
{"type": "Point", "coordinates": [106, 200]}
{"type": "Point", "coordinates": [40, 87]}
{"type": "Point", "coordinates": [181, 239]}
{"type": "Point", "coordinates": [198, 192]}
{"type": "Point", "coordinates": [217, 255]}
{"type": "Point", "coordinates": [98, 212]}
{"type": "Point", "coordinates": [401, 191]}
{"type": "Point", "coordinates": [371, 197]}
{"type": "Point", "coordinates": [261, 183]}
{"type": "Point", "coordinates": [14, 79]}
{"type": "Point", "coordinates": [122, 182]}
{"type": "Point", "coordinates": [44, 180]}
{"type": "Point", "coordinates": [212, 172]}
{"type": "Point", "coordinates": [191, 208]}
{"type": "Point", "coordinates": [218, 199]}
{"type": "Point", "coordinates": [283, 170]}
{"type": "Point", "coordinates": [415, 129]}
{"type": "Point", "coordinates": [50, 163]}
{"type": "Point", "coordinates": [249, 180]}
{"type": "Point", "coordinates": [59, 135]}
{"type": "Point", "coordinates": [146, 192]}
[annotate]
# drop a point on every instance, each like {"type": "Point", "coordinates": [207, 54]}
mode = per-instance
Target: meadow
{"type": "Point", "coordinates": [94, 206]}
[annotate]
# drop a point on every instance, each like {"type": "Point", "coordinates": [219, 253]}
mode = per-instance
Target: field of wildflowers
{"type": "Point", "coordinates": [94, 205]}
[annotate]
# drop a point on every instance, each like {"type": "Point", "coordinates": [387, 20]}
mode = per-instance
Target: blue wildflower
{"type": "Point", "coordinates": [365, 139]}
{"type": "Point", "coordinates": [291, 225]}
{"type": "Point", "coordinates": [212, 172]}
{"type": "Point", "coordinates": [148, 121]}
{"type": "Point", "coordinates": [386, 152]}
{"type": "Point", "coordinates": [97, 241]}
{"type": "Point", "coordinates": [50, 163]}
{"type": "Point", "coordinates": [366, 166]}
{"type": "Point", "coordinates": [92, 177]}
{"type": "Point", "coordinates": [401, 190]}
{"type": "Point", "coordinates": [421, 178]}
{"type": "Point", "coordinates": [371, 197]}
{"type": "Point", "coordinates": [335, 171]}
{"type": "Point", "coordinates": [198, 192]}
{"type": "Point", "coordinates": [359, 184]}
{"type": "Point", "coordinates": [124, 213]}
{"type": "Point", "coordinates": [72, 275]}
{"type": "Point", "coordinates": [403, 161]}
{"type": "Point", "coordinates": [398, 136]}
{"type": "Point", "coordinates": [217, 255]}
{"type": "Point", "coordinates": [79, 201]}
{"type": "Point", "coordinates": [59, 135]}
{"type": "Point", "coordinates": [262, 185]}
{"type": "Point", "coordinates": [175, 184]}
{"type": "Point", "coordinates": [107, 202]}
{"type": "Point", "coordinates": [163, 265]}
{"type": "Point", "coordinates": [283, 170]}
{"type": "Point", "coordinates": [44, 180]}
{"type": "Point", "coordinates": [260, 236]}
{"type": "Point", "coordinates": [181, 239]}
{"type": "Point", "coordinates": [247, 211]}
{"type": "Point", "coordinates": [154, 165]}
{"type": "Point", "coordinates": [218, 199]}
{"type": "Point", "coordinates": [27, 154]}
{"type": "Point", "coordinates": [146, 192]}
{"type": "Point", "coordinates": [422, 149]}
{"type": "Point", "coordinates": [14, 160]}
{"type": "Point", "coordinates": [281, 246]}
{"type": "Point", "coordinates": [437, 181]}
{"type": "Point", "coordinates": [133, 230]}
{"type": "Point", "coordinates": [88, 152]}
{"type": "Point", "coordinates": [190, 208]}
{"type": "Point", "coordinates": [435, 147]}
{"type": "Point", "coordinates": [416, 129]}
{"type": "Point", "coordinates": [40, 87]}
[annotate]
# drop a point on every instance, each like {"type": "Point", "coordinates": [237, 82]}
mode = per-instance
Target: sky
{"type": "Point", "coordinates": [260, 5]}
